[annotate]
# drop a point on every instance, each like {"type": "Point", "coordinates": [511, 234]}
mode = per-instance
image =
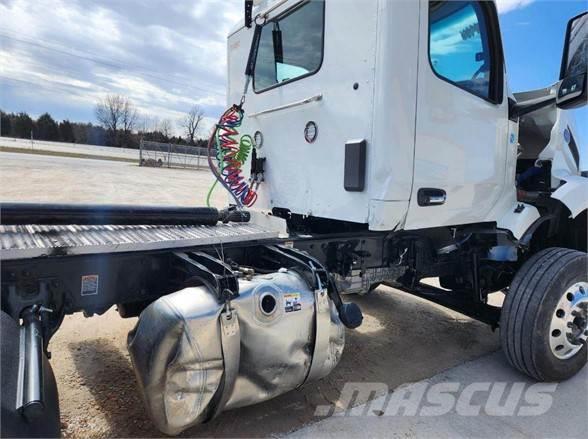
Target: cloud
{"type": "Point", "coordinates": [505, 6]}
{"type": "Point", "coordinates": [62, 56]}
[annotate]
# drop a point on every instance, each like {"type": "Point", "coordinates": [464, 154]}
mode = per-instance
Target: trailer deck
{"type": "Point", "coordinates": [35, 241]}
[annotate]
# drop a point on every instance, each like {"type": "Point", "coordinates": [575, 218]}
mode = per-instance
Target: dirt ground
{"type": "Point", "coordinates": [402, 339]}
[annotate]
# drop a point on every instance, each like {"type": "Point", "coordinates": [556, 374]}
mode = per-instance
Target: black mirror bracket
{"type": "Point", "coordinates": [572, 92]}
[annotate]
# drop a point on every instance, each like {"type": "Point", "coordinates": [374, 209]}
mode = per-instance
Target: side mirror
{"type": "Point", "coordinates": [573, 86]}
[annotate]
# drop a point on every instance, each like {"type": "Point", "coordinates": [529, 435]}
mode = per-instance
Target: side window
{"type": "Point", "coordinates": [459, 45]}
{"type": "Point", "coordinates": [291, 46]}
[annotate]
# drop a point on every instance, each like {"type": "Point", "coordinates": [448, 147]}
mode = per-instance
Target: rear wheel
{"type": "Point", "coordinates": [544, 320]}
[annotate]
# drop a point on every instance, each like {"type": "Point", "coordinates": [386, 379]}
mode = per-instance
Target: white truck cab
{"type": "Point", "coordinates": [397, 115]}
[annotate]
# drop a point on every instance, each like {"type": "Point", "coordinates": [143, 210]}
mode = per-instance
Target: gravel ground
{"type": "Point", "coordinates": [403, 339]}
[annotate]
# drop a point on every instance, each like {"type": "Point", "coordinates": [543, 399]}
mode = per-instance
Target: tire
{"type": "Point", "coordinates": [15, 425]}
{"type": "Point", "coordinates": [529, 312]}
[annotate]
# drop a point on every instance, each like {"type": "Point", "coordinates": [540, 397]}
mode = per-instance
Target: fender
{"type": "Point", "coordinates": [573, 194]}
{"type": "Point", "coordinates": [519, 219]}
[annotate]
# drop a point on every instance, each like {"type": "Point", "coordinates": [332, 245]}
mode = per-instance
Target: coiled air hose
{"type": "Point", "coordinates": [231, 154]}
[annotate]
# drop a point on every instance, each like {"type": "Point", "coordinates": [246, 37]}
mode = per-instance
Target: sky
{"type": "Point", "coordinates": [533, 35]}
{"type": "Point", "coordinates": [61, 56]}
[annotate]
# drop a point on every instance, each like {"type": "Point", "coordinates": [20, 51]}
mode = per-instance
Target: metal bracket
{"type": "Point", "coordinates": [288, 257]}
{"type": "Point", "coordinates": [317, 277]}
{"type": "Point", "coordinates": [215, 273]}
{"type": "Point", "coordinates": [248, 13]}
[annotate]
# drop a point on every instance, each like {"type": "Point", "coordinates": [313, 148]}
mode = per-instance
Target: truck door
{"type": "Point", "coordinates": [312, 93]}
{"type": "Point", "coordinates": [462, 115]}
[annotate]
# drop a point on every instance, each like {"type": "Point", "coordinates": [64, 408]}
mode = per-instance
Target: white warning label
{"type": "Point", "coordinates": [89, 285]}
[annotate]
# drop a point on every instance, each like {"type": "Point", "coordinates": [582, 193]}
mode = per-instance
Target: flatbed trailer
{"type": "Point", "coordinates": [61, 261]}
{"type": "Point", "coordinates": [130, 266]}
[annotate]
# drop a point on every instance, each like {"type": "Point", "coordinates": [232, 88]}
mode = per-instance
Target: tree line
{"type": "Point", "coordinates": [119, 125]}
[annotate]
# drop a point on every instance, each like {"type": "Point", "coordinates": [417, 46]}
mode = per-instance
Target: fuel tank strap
{"type": "Point", "coordinates": [231, 346]}
{"type": "Point", "coordinates": [321, 344]}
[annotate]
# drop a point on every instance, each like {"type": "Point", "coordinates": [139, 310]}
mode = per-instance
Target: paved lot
{"type": "Point", "coordinates": [402, 340]}
{"type": "Point", "coordinates": [10, 144]}
{"type": "Point", "coordinates": [27, 177]}
{"type": "Point", "coordinates": [565, 417]}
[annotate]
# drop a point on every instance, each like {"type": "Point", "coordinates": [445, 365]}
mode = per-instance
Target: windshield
{"type": "Point", "coordinates": [291, 46]}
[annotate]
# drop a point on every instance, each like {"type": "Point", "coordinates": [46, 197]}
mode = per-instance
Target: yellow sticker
{"type": "Point", "coordinates": [292, 302]}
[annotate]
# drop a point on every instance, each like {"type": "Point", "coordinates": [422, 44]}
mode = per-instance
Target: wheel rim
{"type": "Point", "coordinates": [569, 325]}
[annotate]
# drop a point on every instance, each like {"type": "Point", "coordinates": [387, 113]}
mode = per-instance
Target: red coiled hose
{"type": "Point", "coordinates": [231, 154]}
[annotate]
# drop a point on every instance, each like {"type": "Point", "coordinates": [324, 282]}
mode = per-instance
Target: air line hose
{"type": "Point", "coordinates": [231, 154]}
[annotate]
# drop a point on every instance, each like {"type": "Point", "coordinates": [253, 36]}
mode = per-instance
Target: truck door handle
{"type": "Point", "coordinates": [431, 197]}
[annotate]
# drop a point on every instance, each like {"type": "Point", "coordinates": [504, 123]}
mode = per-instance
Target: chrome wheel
{"type": "Point", "coordinates": [568, 331]}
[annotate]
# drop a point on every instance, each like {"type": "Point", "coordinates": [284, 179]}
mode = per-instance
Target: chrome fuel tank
{"type": "Point", "coordinates": [189, 370]}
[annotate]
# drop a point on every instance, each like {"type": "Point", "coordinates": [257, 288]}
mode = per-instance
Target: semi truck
{"type": "Point", "coordinates": [366, 143]}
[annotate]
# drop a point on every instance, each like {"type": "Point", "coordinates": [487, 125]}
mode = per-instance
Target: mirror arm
{"type": "Point", "coordinates": [517, 110]}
